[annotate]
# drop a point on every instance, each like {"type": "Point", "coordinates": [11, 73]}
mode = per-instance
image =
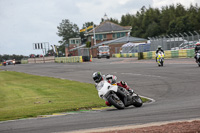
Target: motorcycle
{"type": "Point", "coordinates": [160, 58]}
{"type": "Point", "coordinates": [117, 96]}
{"type": "Point", "coordinates": [198, 58]}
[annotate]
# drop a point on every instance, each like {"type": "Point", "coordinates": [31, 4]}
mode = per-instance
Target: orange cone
{"type": "Point", "coordinates": [91, 58]}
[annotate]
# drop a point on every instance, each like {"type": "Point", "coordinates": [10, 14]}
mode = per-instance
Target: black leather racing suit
{"type": "Point", "coordinates": [196, 49]}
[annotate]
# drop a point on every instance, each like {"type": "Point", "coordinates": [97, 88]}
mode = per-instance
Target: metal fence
{"type": "Point", "coordinates": [135, 48]}
{"type": "Point", "coordinates": [168, 42]}
{"type": "Point", "coordinates": [83, 52]}
{"type": "Point", "coordinates": [175, 41]}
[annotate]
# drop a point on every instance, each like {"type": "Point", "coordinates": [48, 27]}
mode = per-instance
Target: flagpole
{"type": "Point", "coordinates": [94, 35]}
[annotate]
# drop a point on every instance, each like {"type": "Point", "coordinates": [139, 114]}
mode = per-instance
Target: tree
{"type": "Point", "coordinates": [88, 44]}
{"type": "Point", "coordinates": [181, 24]}
{"type": "Point", "coordinates": [169, 20]}
{"type": "Point", "coordinates": [114, 20]}
{"type": "Point", "coordinates": [66, 30]}
{"type": "Point", "coordinates": [152, 30]}
{"type": "Point", "coordinates": [11, 57]}
{"type": "Point", "coordinates": [87, 24]}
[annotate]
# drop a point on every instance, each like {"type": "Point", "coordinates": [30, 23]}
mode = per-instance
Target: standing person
{"type": "Point", "coordinates": [4, 63]}
{"type": "Point", "coordinates": [13, 61]}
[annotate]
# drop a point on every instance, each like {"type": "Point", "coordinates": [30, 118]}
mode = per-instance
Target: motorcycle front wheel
{"type": "Point", "coordinates": [116, 102]}
{"type": "Point", "coordinates": [161, 63]}
{"type": "Point", "coordinates": [137, 101]}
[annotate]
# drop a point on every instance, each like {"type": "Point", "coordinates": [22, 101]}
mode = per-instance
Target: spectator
{"type": "Point", "coordinates": [4, 63]}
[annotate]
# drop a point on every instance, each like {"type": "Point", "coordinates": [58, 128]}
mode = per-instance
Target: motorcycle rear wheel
{"type": "Point", "coordinates": [116, 102]}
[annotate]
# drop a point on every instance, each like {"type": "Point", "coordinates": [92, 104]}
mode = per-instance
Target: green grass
{"type": "Point", "coordinates": [24, 95]}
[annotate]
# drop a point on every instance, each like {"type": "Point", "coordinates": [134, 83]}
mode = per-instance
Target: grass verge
{"type": "Point", "coordinates": [24, 95]}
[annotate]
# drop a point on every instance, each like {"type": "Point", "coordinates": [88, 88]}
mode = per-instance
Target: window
{"type": "Point", "coordinates": [99, 36]}
{"type": "Point", "coordinates": [122, 34]}
{"type": "Point", "coordinates": [72, 41]}
{"type": "Point", "coordinates": [77, 41]}
{"type": "Point", "coordinates": [118, 35]}
{"type": "Point", "coordinates": [114, 36]}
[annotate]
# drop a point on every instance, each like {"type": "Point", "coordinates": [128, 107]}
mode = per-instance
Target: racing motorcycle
{"type": "Point", "coordinates": [117, 96]}
{"type": "Point", "coordinates": [198, 58]}
{"type": "Point", "coordinates": [160, 58]}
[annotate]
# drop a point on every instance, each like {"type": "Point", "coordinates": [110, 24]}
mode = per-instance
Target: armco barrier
{"type": "Point", "coordinates": [68, 59]}
{"type": "Point", "coordinates": [184, 53]}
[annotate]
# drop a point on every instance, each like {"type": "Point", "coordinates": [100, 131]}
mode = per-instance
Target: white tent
{"type": "Point", "coordinates": [129, 44]}
{"type": "Point", "coordinates": [135, 47]}
{"type": "Point", "coordinates": [130, 47]}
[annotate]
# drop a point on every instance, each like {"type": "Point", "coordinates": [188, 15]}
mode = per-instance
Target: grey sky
{"type": "Point", "coordinates": [24, 22]}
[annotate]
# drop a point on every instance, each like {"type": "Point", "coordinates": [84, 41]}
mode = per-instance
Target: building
{"type": "Point", "coordinates": [108, 33]}
{"type": "Point", "coordinates": [116, 44]}
{"type": "Point", "coordinates": [73, 43]}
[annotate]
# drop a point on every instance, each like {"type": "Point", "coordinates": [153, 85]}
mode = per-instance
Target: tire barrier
{"type": "Point", "coordinates": [72, 59]}
{"type": "Point", "coordinates": [42, 59]}
{"type": "Point", "coordinates": [184, 53]}
{"type": "Point", "coordinates": [125, 55]}
{"type": "Point", "coordinates": [24, 61]}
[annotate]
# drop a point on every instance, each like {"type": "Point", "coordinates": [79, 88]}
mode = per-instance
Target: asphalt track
{"type": "Point", "coordinates": [174, 87]}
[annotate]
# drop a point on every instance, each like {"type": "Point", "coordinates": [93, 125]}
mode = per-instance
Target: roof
{"type": "Point", "coordinates": [129, 44]}
{"type": "Point", "coordinates": [124, 39]}
{"type": "Point", "coordinates": [109, 27]}
{"type": "Point", "coordinates": [82, 46]}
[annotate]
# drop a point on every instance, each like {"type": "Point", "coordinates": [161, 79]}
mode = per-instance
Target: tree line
{"type": "Point", "coordinates": [167, 20]}
{"type": "Point", "coordinates": [11, 57]}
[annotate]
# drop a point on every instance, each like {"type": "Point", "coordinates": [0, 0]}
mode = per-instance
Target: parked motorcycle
{"type": "Point", "coordinates": [117, 96]}
{"type": "Point", "coordinates": [198, 58]}
{"type": "Point", "coordinates": [160, 58]}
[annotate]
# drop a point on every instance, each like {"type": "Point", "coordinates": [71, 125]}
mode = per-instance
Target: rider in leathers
{"type": "Point", "coordinates": [159, 49]}
{"type": "Point", "coordinates": [197, 49]}
{"type": "Point", "coordinates": [98, 77]}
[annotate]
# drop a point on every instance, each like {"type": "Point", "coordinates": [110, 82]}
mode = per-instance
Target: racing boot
{"type": "Point", "coordinates": [107, 103]}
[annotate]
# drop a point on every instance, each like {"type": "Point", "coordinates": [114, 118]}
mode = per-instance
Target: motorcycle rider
{"type": "Point", "coordinates": [197, 49]}
{"type": "Point", "coordinates": [98, 77]}
{"type": "Point", "coordinates": [159, 49]}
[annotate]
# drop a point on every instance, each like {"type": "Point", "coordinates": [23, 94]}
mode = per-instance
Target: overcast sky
{"type": "Point", "coordinates": [24, 22]}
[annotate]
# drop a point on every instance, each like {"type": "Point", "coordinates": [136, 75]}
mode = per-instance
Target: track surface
{"type": "Point", "coordinates": [174, 87]}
